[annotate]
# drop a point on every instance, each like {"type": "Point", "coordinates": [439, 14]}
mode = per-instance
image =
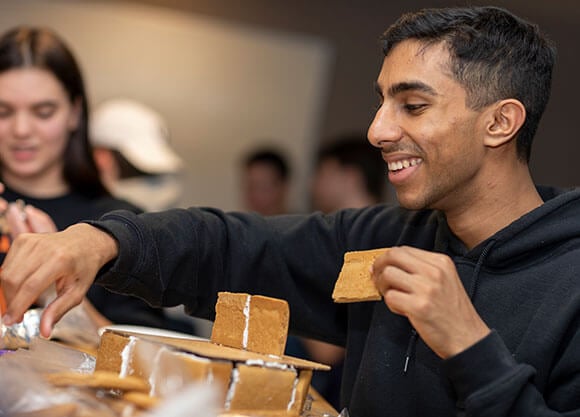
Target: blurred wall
{"type": "Point", "coordinates": [352, 28]}
{"type": "Point", "coordinates": [224, 88]}
{"type": "Point", "coordinates": [334, 74]}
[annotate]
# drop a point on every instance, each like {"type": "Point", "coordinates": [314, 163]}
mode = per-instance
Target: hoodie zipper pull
{"type": "Point", "coordinates": [410, 346]}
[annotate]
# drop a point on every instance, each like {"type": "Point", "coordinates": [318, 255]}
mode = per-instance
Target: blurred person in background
{"type": "Point", "coordinates": [265, 182]}
{"type": "Point", "coordinates": [136, 163]}
{"type": "Point", "coordinates": [133, 154]}
{"type": "Point", "coordinates": [46, 163]}
{"type": "Point", "coordinates": [349, 173]}
{"type": "Point", "coordinates": [265, 186]}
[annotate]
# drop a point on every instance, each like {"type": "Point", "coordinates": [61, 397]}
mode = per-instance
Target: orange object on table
{"type": "Point", "coordinates": [2, 302]}
{"type": "Point", "coordinates": [4, 243]}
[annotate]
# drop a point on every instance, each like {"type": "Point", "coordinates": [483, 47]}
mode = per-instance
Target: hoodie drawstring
{"type": "Point", "coordinates": [471, 293]}
{"type": "Point", "coordinates": [475, 275]}
{"type": "Point", "coordinates": [410, 349]}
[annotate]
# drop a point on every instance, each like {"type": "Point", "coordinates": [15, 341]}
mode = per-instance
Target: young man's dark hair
{"type": "Point", "coordinates": [494, 55]}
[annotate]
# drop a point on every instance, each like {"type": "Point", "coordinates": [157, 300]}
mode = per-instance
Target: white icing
{"type": "Point", "coordinates": [232, 388]}
{"type": "Point", "coordinates": [247, 324]}
{"type": "Point", "coordinates": [126, 353]}
{"type": "Point", "coordinates": [192, 356]}
{"type": "Point", "coordinates": [267, 364]}
{"type": "Point", "coordinates": [293, 396]}
{"type": "Point", "coordinates": [156, 368]}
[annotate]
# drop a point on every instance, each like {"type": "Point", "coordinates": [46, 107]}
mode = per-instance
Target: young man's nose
{"type": "Point", "coordinates": [384, 128]}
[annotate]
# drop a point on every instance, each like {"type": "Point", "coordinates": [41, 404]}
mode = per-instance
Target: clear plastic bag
{"type": "Point", "coordinates": [75, 328]}
{"type": "Point", "coordinates": [44, 356]}
{"type": "Point", "coordinates": [25, 392]}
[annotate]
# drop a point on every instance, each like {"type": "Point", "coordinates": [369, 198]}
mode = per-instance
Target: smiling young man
{"type": "Point", "coordinates": [481, 301]}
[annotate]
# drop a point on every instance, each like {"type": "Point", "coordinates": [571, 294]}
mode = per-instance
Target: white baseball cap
{"type": "Point", "coordinates": [138, 132]}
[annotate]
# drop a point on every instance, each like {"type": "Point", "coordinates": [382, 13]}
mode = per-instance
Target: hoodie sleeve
{"type": "Point", "coordinates": [185, 256]}
{"type": "Point", "coordinates": [489, 382]}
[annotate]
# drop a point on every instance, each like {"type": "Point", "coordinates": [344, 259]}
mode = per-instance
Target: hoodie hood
{"type": "Point", "coordinates": [552, 223]}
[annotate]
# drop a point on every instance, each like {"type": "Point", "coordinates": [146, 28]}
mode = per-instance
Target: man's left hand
{"type": "Point", "coordinates": [425, 287]}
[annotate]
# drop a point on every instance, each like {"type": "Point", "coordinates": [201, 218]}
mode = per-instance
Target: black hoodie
{"type": "Point", "coordinates": [524, 281]}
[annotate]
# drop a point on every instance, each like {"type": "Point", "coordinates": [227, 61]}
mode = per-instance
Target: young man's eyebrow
{"type": "Point", "coordinates": [406, 86]}
{"type": "Point", "coordinates": [411, 86]}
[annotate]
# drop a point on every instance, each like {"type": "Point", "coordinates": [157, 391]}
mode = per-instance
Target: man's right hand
{"type": "Point", "coordinates": [70, 259]}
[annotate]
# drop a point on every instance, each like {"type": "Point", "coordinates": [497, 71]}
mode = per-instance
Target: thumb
{"type": "Point", "coordinates": [55, 311]}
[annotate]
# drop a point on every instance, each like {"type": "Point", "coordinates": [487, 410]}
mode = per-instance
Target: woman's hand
{"type": "Point", "coordinates": [22, 218]}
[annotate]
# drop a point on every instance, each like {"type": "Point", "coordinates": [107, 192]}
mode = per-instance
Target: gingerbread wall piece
{"type": "Point", "coordinates": [268, 325]}
{"type": "Point", "coordinates": [251, 322]}
{"type": "Point", "coordinates": [276, 388]}
{"type": "Point", "coordinates": [355, 282]}
{"type": "Point", "coordinates": [174, 370]}
{"type": "Point", "coordinates": [231, 320]}
{"type": "Point", "coordinates": [109, 357]}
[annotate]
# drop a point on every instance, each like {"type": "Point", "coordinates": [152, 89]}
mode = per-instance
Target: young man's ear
{"type": "Point", "coordinates": [506, 117]}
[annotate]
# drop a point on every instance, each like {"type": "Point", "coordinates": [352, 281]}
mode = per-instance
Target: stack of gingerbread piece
{"type": "Point", "coordinates": [244, 360]}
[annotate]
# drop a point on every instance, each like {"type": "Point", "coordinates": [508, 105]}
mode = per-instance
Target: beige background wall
{"type": "Point", "coordinates": [223, 87]}
{"type": "Point", "coordinates": [352, 28]}
{"type": "Point", "coordinates": [331, 49]}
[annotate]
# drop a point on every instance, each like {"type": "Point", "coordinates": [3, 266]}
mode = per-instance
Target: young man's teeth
{"type": "Point", "coordinates": [405, 163]}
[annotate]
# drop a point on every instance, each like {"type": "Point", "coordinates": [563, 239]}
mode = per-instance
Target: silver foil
{"type": "Point", "coordinates": [20, 334]}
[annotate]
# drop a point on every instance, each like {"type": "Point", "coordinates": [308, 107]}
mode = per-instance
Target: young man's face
{"type": "Point", "coordinates": [431, 141]}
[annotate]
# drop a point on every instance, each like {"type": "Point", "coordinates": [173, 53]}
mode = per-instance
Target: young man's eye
{"type": "Point", "coordinates": [415, 108]}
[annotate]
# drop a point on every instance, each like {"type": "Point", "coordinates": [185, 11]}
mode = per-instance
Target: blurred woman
{"type": "Point", "coordinates": [49, 177]}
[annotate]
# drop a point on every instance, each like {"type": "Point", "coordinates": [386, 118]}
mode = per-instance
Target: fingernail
{"type": "Point", "coordinates": [7, 320]}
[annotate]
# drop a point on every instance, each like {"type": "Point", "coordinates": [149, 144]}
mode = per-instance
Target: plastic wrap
{"type": "Point", "coordinates": [76, 328]}
{"type": "Point", "coordinates": [44, 356]}
{"type": "Point", "coordinates": [25, 391]}
{"type": "Point", "coordinates": [194, 400]}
